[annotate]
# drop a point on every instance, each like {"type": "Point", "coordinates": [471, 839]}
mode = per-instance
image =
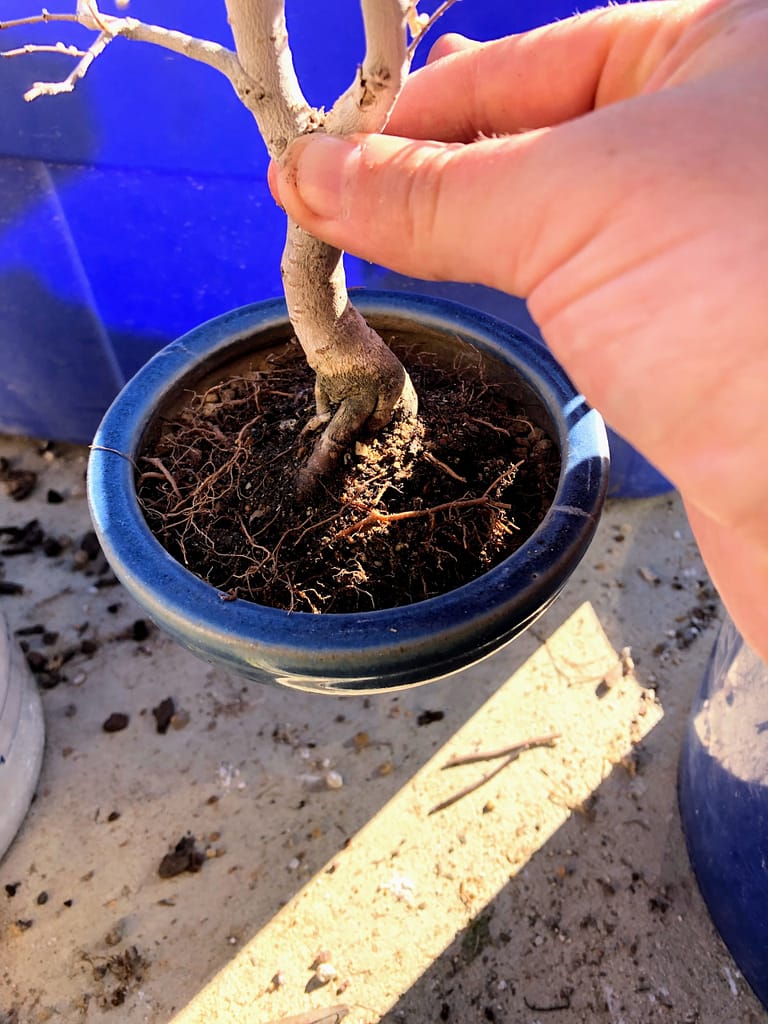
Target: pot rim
{"type": "Point", "coordinates": [344, 650]}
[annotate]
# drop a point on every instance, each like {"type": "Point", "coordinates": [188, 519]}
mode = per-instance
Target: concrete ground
{"type": "Point", "coordinates": [310, 864]}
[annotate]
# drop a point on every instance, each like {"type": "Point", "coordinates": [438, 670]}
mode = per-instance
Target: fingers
{"type": "Point", "coordinates": [449, 211]}
{"type": "Point", "coordinates": [421, 208]}
{"type": "Point", "coordinates": [538, 78]}
{"type": "Point", "coordinates": [608, 224]}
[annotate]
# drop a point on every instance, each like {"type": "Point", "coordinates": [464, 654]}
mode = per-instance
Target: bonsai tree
{"type": "Point", "coordinates": [359, 381]}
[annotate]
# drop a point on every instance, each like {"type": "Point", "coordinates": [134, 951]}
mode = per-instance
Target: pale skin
{"type": "Point", "coordinates": [613, 170]}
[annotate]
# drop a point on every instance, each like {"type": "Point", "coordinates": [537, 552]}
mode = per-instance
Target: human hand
{"type": "Point", "coordinates": [629, 206]}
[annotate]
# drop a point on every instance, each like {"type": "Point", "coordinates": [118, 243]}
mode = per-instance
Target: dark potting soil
{"type": "Point", "coordinates": [426, 505]}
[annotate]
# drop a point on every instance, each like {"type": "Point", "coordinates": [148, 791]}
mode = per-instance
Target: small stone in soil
{"type": "Point", "coordinates": [163, 714]}
{"type": "Point", "coordinates": [428, 717]}
{"type": "Point", "coordinates": [90, 545]}
{"type": "Point", "coordinates": [116, 722]}
{"type": "Point", "coordinates": [19, 483]}
{"type": "Point", "coordinates": [183, 857]}
{"type": "Point", "coordinates": [23, 539]}
{"type": "Point", "coordinates": [139, 630]}
{"type": "Point", "coordinates": [52, 547]}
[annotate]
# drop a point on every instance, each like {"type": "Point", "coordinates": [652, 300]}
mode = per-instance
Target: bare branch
{"type": "Point", "coordinates": [273, 96]}
{"type": "Point", "coordinates": [69, 51]}
{"type": "Point", "coordinates": [43, 18]}
{"type": "Point", "coordinates": [68, 84]}
{"type": "Point", "coordinates": [421, 24]}
{"type": "Point", "coordinates": [367, 103]}
{"type": "Point", "coordinates": [360, 381]}
{"type": "Point", "coordinates": [212, 54]}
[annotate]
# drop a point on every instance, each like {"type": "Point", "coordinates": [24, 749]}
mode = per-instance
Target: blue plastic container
{"type": "Point", "coordinates": [131, 214]}
{"type": "Point", "coordinates": [723, 794]}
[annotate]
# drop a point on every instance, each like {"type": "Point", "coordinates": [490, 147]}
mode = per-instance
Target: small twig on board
{"type": "Point", "coordinates": [329, 1015]}
{"type": "Point", "coordinates": [509, 754]}
{"type": "Point", "coordinates": [517, 748]}
{"type": "Point", "coordinates": [473, 786]}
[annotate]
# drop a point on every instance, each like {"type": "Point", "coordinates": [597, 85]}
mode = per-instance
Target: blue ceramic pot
{"type": "Point", "coordinates": [370, 651]}
{"type": "Point", "coordinates": [723, 796]}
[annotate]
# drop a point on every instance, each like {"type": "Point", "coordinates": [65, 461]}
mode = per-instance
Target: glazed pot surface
{"type": "Point", "coordinates": [369, 651]}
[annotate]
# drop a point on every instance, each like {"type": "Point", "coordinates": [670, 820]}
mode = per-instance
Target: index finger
{"type": "Point", "coordinates": [539, 78]}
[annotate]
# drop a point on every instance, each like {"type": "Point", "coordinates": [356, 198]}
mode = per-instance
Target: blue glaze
{"type": "Point", "coordinates": [349, 652]}
{"type": "Point", "coordinates": [723, 796]}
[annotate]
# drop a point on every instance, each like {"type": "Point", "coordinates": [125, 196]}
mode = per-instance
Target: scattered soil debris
{"type": "Point", "coordinates": [428, 504]}
{"type": "Point", "coordinates": [163, 714]}
{"type": "Point", "coordinates": [704, 612]}
{"type": "Point", "coordinates": [126, 968]}
{"type": "Point", "coordinates": [22, 540]}
{"type": "Point", "coordinates": [115, 934]}
{"type": "Point", "coordinates": [48, 666]}
{"type": "Point", "coordinates": [183, 857]}
{"type": "Point", "coordinates": [19, 483]}
{"type": "Point", "coordinates": [116, 722]}
{"type": "Point", "coordinates": [428, 717]}
{"type": "Point", "coordinates": [140, 630]}
{"type": "Point", "coordinates": [90, 545]}
{"type": "Point", "coordinates": [26, 539]}
{"type": "Point", "coordinates": [477, 936]}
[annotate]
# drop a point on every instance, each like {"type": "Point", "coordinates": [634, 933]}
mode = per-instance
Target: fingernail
{"type": "Point", "coordinates": [322, 167]}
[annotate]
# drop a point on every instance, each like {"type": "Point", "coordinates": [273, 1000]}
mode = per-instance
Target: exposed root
{"type": "Point", "coordinates": [422, 507]}
{"type": "Point", "coordinates": [362, 410]}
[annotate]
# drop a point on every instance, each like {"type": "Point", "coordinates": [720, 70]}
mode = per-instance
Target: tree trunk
{"type": "Point", "coordinates": [360, 382]}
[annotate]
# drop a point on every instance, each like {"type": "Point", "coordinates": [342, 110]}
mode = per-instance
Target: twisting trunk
{"type": "Point", "coordinates": [360, 382]}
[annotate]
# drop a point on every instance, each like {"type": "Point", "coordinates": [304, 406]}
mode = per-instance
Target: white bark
{"type": "Point", "coordinates": [360, 382]}
{"type": "Point", "coordinates": [273, 94]}
{"type": "Point", "coordinates": [368, 102]}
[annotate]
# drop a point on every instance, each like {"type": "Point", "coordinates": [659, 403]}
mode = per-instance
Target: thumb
{"type": "Point", "coordinates": [439, 211]}
{"type": "Point", "coordinates": [450, 43]}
